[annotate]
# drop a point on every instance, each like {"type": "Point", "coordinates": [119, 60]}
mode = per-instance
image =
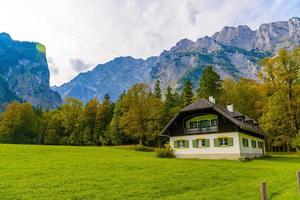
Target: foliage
{"type": "Point", "coordinates": [209, 84]}
{"type": "Point", "coordinates": [157, 90]}
{"type": "Point", "coordinates": [139, 120]}
{"type": "Point", "coordinates": [18, 124]}
{"type": "Point", "coordinates": [143, 148]}
{"type": "Point", "coordinates": [296, 142]}
{"type": "Point", "coordinates": [140, 114]}
{"type": "Point", "coordinates": [165, 152]}
{"type": "Point", "coordinates": [187, 93]}
{"type": "Point", "coordinates": [282, 73]}
{"type": "Point", "coordinates": [241, 95]}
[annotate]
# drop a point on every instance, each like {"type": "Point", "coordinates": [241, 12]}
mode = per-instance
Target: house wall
{"type": "Point", "coordinates": [250, 151]}
{"type": "Point", "coordinates": [212, 152]}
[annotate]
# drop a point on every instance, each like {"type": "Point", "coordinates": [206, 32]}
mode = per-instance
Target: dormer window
{"type": "Point", "coordinates": [193, 124]}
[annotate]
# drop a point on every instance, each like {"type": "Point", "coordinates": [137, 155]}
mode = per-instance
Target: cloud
{"type": "Point", "coordinates": [53, 69]}
{"type": "Point", "coordinates": [94, 31]}
{"type": "Point", "coordinates": [79, 65]}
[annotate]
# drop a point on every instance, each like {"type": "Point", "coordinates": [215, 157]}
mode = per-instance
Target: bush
{"type": "Point", "coordinates": [165, 152]}
{"type": "Point", "coordinates": [143, 148]}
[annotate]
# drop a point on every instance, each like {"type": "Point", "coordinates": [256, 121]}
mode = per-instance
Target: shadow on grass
{"type": "Point", "coordinates": [282, 158]}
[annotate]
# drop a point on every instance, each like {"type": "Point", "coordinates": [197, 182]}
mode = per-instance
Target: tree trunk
{"type": "Point", "coordinates": [141, 141]}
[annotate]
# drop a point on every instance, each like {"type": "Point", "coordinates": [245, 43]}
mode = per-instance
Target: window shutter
{"type": "Point", "coordinates": [186, 144]}
{"type": "Point", "coordinates": [216, 142]}
{"type": "Point", "coordinates": [195, 143]}
{"type": "Point", "coordinates": [230, 141]}
{"type": "Point", "coordinates": [206, 142]}
{"type": "Point", "coordinates": [175, 144]}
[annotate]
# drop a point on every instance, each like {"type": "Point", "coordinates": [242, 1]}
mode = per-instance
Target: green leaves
{"type": "Point", "coordinates": [209, 84]}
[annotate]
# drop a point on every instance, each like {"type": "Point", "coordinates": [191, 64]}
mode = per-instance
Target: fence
{"type": "Point", "coordinates": [263, 187]}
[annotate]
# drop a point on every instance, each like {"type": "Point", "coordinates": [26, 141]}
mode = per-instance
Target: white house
{"type": "Point", "coordinates": [205, 130]}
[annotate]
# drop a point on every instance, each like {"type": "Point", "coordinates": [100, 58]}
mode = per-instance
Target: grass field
{"type": "Point", "coordinates": [60, 172]}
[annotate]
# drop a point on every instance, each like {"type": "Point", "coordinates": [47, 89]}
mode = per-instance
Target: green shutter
{"type": "Point", "coordinates": [186, 144]}
{"type": "Point", "coordinates": [206, 142]}
{"type": "Point", "coordinates": [230, 141]}
{"type": "Point", "coordinates": [216, 142]}
{"type": "Point", "coordinates": [195, 143]}
{"type": "Point", "coordinates": [175, 144]}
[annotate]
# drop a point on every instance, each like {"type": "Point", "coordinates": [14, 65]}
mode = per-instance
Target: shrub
{"type": "Point", "coordinates": [143, 148]}
{"type": "Point", "coordinates": [165, 152]}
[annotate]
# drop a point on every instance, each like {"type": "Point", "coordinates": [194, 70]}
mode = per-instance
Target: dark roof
{"type": "Point", "coordinates": [232, 116]}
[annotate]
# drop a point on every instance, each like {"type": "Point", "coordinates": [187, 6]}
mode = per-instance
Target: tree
{"type": "Point", "coordinates": [115, 133]}
{"type": "Point", "coordinates": [247, 96]}
{"type": "Point", "coordinates": [55, 132]}
{"type": "Point", "coordinates": [282, 71]}
{"type": "Point", "coordinates": [141, 114]}
{"type": "Point", "coordinates": [89, 122]}
{"type": "Point", "coordinates": [8, 123]}
{"type": "Point", "coordinates": [172, 104]}
{"type": "Point", "coordinates": [209, 84]}
{"type": "Point", "coordinates": [18, 124]}
{"type": "Point", "coordinates": [187, 93]}
{"type": "Point", "coordinates": [275, 121]}
{"type": "Point", "coordinates": [157, 90]}
{"type": "Point", "coordinates": [71, 112]}
{"type": "Point", "coordinates": [103, 119]}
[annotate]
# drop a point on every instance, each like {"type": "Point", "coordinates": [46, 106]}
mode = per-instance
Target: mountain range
{"type": "Point", "coordinates": [233, 52]}
{"type": "Point", "coordinates": [24, 74]}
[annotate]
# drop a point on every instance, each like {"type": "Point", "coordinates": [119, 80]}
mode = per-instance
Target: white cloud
{"type": "Point", "coordinates": [95, 31]}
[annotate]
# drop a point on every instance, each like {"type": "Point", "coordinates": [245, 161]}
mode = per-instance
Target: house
{"type": "Point", "coordinates": [205, 130]}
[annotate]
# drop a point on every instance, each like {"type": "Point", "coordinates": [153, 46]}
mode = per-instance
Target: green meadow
{"type": "Point", "coordinates": [68, 172]}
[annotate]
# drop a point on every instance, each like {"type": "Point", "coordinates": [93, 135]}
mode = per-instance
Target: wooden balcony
{"type": "Point", "coordinates": [201, 130]}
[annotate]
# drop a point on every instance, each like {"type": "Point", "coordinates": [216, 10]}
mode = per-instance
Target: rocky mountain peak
{"type": "Point", "coordinates": [234, 52]}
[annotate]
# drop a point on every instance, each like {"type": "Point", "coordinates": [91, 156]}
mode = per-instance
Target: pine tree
{"type": "Point", "coordinates": [209, 84]}
{"type": "Point", "coordinates": [157, 90]}
{"type": "Point", "coordinates": [187, 93]}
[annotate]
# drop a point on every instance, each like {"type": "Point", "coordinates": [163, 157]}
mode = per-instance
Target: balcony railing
{"type": "Point", "coordinates": [201, 130]}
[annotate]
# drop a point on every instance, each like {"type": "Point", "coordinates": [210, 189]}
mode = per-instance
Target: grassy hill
{"type": "Point", "coordinates": [59, 172]}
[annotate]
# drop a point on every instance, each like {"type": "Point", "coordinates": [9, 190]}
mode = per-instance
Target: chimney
{"type": "Point", "coordinates": [230, 107]}
{"type": "Point", "coordinates": [211, 99]}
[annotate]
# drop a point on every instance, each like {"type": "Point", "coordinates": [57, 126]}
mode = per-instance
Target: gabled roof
{"type": "Point", "coordinates": [202, 104]}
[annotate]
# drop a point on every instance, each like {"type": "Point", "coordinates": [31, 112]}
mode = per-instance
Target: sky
{"type": "Point", "coordinates": [79, 34]}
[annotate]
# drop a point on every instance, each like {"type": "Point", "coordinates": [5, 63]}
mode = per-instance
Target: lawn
{"type": "Point", "coordinates": [64, 172]}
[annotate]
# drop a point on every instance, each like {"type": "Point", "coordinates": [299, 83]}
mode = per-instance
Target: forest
{"type": "Point", "coordinates": [140, 113]}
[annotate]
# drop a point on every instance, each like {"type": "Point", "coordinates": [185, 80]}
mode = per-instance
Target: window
{"type": "Point", "coordinates": [245, 142]}
{"type": "Point", "coordinates": [260, 145]}
{"type": "Point", "coordinates": [253, 143]}
{"type": "Point", "coordinates": [201, 143]}
{"type": "Point", "coordinates": [193, 124]}
{"type": "Point", "coordinates": [204, 123]}
{"type": "Point", "coordinates": [223, 142]}
{"type": "Point", "coordinates": [181, 144]}
{"type": "Point", "coordinates": [214, 122]}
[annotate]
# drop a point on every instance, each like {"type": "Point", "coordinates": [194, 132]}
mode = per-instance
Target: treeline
{"type": "Point", "coordinates": [140, 113]}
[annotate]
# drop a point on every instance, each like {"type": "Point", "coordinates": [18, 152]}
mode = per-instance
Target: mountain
{"type": "Point", "coordinates": [233, 52]}
{"type": "Point", "coordinates": [24, 74]}
{"type": "Point", "coordinates": [111, 78]}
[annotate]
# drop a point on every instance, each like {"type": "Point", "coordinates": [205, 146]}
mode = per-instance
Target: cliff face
{"type": "Point", "coordinates": [234, 52]}
{"type": "Point", "coordinates": [24, 73]}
